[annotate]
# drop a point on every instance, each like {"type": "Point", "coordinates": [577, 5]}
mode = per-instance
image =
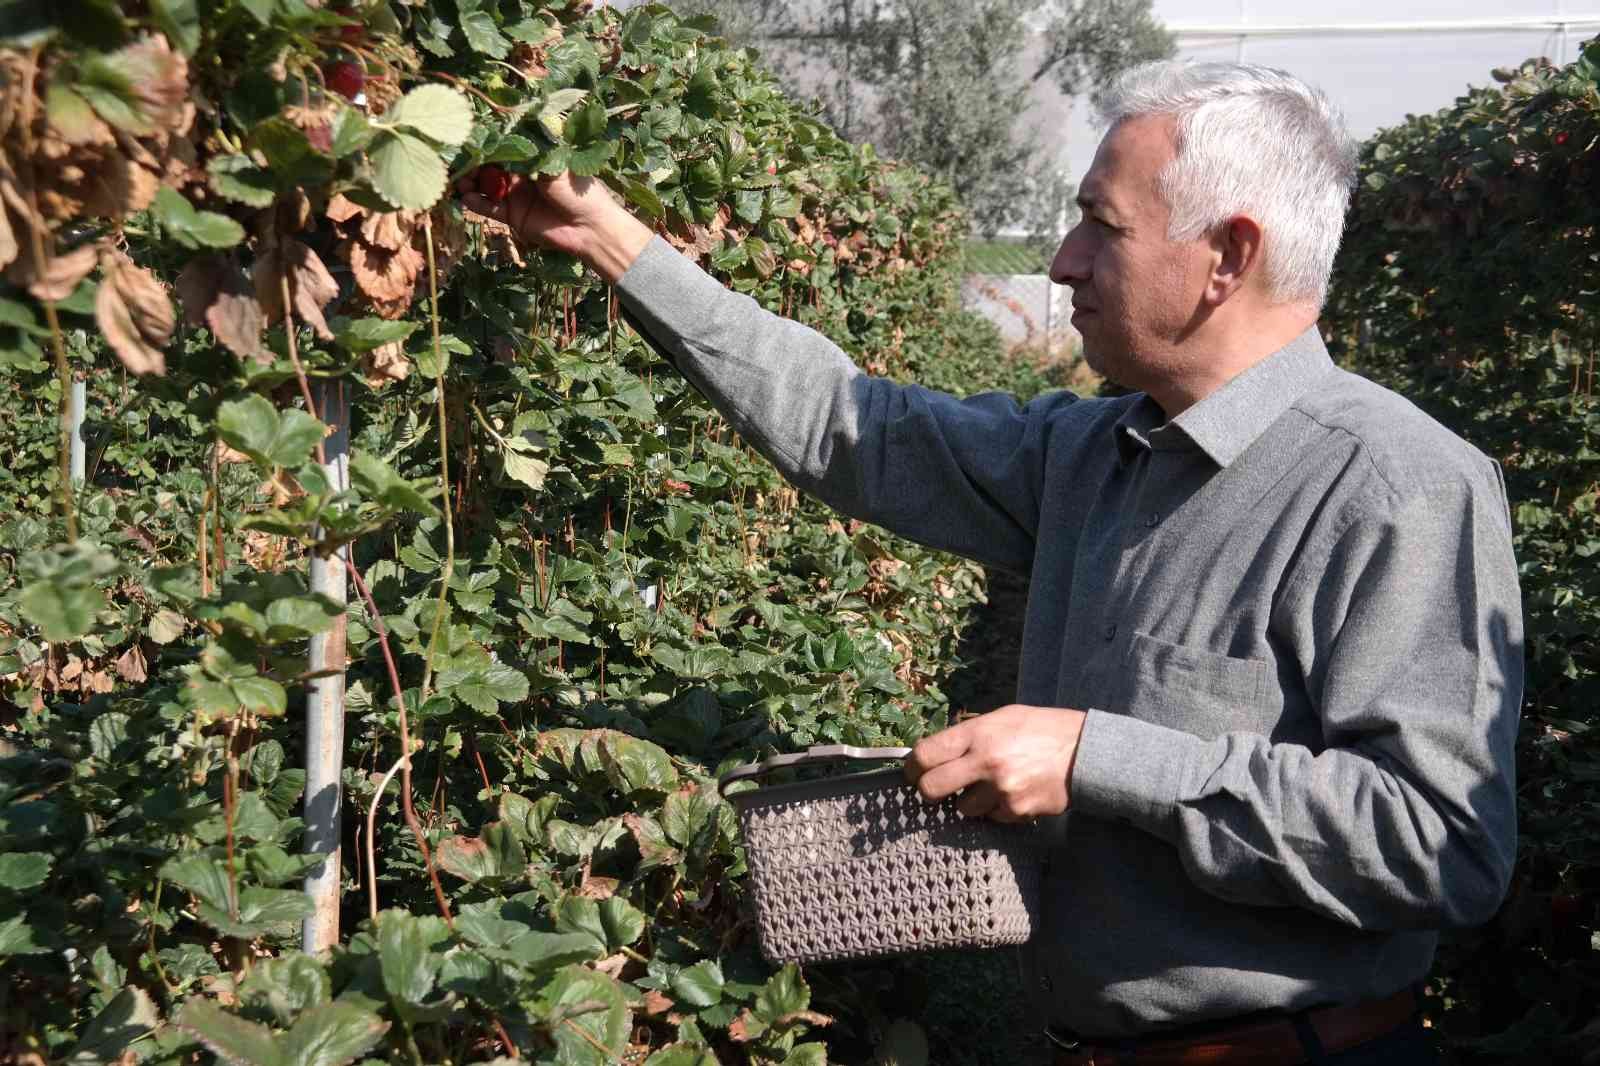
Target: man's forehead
{"type": "Point", "coordinates": [1128, 161]}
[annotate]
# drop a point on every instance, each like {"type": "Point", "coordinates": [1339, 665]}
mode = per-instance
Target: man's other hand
{"type": "Point", "coordinates": [1014, 763]}
{"type": "Point", "coordinates": [568, 214]}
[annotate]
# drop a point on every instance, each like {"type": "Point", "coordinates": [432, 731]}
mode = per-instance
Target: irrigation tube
{"type": "Point", "coordinates": [325, 699]}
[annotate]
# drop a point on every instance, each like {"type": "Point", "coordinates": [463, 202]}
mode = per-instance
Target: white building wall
{"type": "Point", "coordinates": [1378, 61]}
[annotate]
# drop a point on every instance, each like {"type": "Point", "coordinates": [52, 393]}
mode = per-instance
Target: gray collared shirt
{"type": "Point", "coordinates": [1292, 614]}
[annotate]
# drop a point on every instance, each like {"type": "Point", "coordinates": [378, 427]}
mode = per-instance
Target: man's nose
{"type": "Point", "coordinates": [1070, 266]}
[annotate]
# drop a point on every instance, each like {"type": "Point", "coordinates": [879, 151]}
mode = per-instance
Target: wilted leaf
{"type": "Point", "coordinates": [310, 285]}
{"type": "Point", "coordinates": [497, 853]}
{"type": "Point", "coordinates": [131, 665]}
{"type": "Point", "coordinates": [386, 363]}
{"type": "Point", "coordinates": [135, 315]}
{"type": "Point", "coordinates": [60, 276]}
{"type": "Point", "coordinates": [216, 295]}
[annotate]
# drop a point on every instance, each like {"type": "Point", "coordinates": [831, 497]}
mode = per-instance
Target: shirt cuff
{"type": "Point", "coordinates": [1130, 771]}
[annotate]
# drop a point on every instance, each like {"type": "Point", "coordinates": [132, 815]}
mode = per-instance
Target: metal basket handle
{"type": "Point", "coordinates": [819, 754]}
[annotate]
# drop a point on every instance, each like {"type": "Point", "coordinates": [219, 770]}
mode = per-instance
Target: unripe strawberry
{"type": "Point", "coordinates": [345, 78]}
{"type": "Point", "coordinates": [493, 182]}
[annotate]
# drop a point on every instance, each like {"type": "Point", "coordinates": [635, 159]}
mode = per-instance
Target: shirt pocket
{"type": "Point", "coordinates": [1198, 691]}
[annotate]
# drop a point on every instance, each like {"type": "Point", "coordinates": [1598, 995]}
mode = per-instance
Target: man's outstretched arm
{"type": "Point", "coordinates": [959, 475]}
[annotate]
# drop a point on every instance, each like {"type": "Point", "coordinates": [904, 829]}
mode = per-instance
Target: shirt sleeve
{"type": "Point", "coordinates": [960, 475]}
{"type": "Point", "coordinates": [1408, 634]}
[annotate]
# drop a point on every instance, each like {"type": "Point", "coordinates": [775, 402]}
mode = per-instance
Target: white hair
{"type": "Point", "coordinates": [1250, 141]}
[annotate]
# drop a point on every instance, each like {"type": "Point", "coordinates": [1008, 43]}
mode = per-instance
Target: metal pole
{"type": "Point", "coordinates": [76, 449]}
{"type": "Point", "coordinates": [325, 700]}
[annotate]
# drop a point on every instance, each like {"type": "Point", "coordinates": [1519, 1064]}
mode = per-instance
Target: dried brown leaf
{"type": "Point", "coordinates": [342, 209]}
{"type": "Point", "coordinates": [389, 230]}
{"type": "Point", "coordinates": [216, 295]}
{"type": "Point", "coordinates": [8, 239]}
{"type": "Point", "coordinates": [612, 965]}
{"type": "Point", "coordinates": [160, 82]}
{"type": "Point", "coordinates": [132, 665]}
{"type": "Point", "coordinates": [597, 888]}
{"type": "Point", "coordinates": [384, 275]}
{"type": "Point", "coordinates": [134, 313]}
{"type": "Point", "coordinates": [385, 363]}
{"type": "Point", "coordinates": [656, 1003]}
{"type": "Point", "coordinates": [310, 284]}
{"type": "Point", "coordinates": [60, 276]}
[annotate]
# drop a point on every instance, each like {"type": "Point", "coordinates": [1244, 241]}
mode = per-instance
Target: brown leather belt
{"type": "Point", "coordinates": [1273, 1042]}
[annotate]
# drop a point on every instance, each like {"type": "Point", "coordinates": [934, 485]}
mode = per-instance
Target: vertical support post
{"type": "Point", "coordinates": [76, 450]}
{"type": "Point", "coordinates": [325, 699]}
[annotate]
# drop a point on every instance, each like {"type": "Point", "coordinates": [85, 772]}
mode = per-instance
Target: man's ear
{"type": "Point", "coordinates": [1237, 246]}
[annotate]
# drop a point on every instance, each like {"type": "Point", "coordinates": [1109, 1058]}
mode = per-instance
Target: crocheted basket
{"type": "Point", "coordinates": [860, 866]}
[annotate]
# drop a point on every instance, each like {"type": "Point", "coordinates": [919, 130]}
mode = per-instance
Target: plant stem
{"type": "Point", "coordinates": [405, 743]}
{"type": "Point", "coordinates": [41, 264]}
{"type": "Point", "coordinates": [372, 854]}
{"type": "Point", "coordinates": [444, 465]}
{"type": "Point", "coordinates": [383, 636]}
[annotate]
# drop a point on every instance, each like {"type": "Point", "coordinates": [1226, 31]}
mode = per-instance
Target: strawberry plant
{"type": "Point", "coordinates": [1466, 282]}
{"type": "Point", "coordinates": [576, 593]}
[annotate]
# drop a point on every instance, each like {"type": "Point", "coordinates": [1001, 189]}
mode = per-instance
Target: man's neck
{"type": "Point", "coordinates": [1214, 355]}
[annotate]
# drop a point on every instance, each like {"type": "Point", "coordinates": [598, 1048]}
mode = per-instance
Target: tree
{"type": "Point", "coordinates": [947, 83]}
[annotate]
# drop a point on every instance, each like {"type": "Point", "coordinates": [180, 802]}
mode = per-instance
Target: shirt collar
{"type": "Point", "coordinates": [1229, 420]}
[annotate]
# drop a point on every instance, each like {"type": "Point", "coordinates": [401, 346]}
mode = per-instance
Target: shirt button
{"type": "Point", "coordinates": [1045, 983]}
{"type": "Point", "coordinates": [1152, 521]}
{"type": "Point", "coordinates": [1111, 631]}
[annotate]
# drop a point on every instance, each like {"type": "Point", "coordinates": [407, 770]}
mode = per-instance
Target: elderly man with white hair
{"type": "Point", "coordinates": [1272, 655]}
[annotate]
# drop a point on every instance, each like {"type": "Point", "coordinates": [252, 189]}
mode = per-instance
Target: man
{"type": "Point", "coordinates": [1272, 659]}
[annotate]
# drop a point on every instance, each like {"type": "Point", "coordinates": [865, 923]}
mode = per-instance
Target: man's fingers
{"type": "Point", "coordinates": [936, 750]}
{"type": "Point", "coordinates": [948, 778]}
{"type": "Point", "coordinates": [978, 800]}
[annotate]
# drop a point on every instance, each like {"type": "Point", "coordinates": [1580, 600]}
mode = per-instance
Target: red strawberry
{"type": "Point", "coordinates": [345, 78]}
{"type": "Point", "coordinates": [353, 34]}
{"type": "Point", "coordinates": [1561, 138]}
{"type": "Point", "coordinates": [494, 183]}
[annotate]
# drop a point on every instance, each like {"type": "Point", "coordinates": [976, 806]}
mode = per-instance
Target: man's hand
{"type": "Point", "coordinates": [576, 215]}
{"type": "Point", "coordinates": [1015, 763]}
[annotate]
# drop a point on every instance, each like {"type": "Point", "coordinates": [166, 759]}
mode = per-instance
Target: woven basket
{"type": "Point", "coordinates": [860, 866]}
